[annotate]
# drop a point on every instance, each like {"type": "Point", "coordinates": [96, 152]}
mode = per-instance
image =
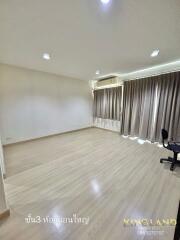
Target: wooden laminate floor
{"type": "Point", "coordinates": [95, 174]}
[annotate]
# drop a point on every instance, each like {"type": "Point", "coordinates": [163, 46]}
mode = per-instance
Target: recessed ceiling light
{"type": "Point", "coordinates": [97, 72]}
{"type": "Point", "coordinates": [105, 1]}
{"type": "Point", "coordinates": [155, 53]}
{"type": "Point", "coordinates": [46, 56]}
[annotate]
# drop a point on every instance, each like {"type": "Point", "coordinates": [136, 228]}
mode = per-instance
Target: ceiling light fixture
{"type": "Point", "coordinates": [155, 53]}
{"type": "Point", "coordinates": [46, 56]}
{"type": "Point", "coordinates": [105, 1]}
{"type": "Point", "coordinates": [97, 72]}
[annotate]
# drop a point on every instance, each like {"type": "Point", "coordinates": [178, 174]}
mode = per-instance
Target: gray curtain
{"type": "Point", "coordinates": [168, 106]}
{"type": "Point", "coordinates": [107, 103]}
{"type": "Point", "coordinates": [151, 104]}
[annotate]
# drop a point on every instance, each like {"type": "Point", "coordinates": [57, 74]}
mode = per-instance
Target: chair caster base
{"type": "Point", "coordinates": [172, 168]}
{"type": "Point", "coordinates": [173, 162]}
{"type": "Point", "coordinates": [169, 159]}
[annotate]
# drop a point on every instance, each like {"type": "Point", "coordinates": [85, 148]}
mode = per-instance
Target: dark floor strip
{"type": "Point", "coordinates": [177, 229]}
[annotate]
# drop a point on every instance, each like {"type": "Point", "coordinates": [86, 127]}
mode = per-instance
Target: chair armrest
{"type": "Point", "coordinates": [175, 143]}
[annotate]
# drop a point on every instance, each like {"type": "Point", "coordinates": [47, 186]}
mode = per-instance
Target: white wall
{"type": "Point", "coordinates": [35, 104]}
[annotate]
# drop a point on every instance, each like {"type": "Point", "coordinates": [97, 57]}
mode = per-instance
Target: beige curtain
{"type": "Point", "coordinates": [107, 103]}
{"type": "Point", "coordinates": [151, 104]}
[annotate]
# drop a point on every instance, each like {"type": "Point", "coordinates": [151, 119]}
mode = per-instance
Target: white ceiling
{"type": "Point", "coordinates": [83, 35]}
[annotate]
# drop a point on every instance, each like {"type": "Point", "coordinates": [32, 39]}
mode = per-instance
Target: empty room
{"type": "Point", "coordinates": [90, 120]}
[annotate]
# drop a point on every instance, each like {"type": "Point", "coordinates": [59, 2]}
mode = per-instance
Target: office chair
{"type": "Point", "coordinates": [172, 146]}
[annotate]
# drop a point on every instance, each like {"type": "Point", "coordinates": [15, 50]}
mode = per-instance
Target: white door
{"type": "Point", "coordinates": [2, 164]}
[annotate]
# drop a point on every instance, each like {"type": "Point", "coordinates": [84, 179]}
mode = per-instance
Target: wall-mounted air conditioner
{"type": "Point", "coordinates": [108, 82]}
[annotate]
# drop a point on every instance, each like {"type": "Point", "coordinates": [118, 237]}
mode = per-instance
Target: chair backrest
{"type": "Point", "coordinates": [164, 134]}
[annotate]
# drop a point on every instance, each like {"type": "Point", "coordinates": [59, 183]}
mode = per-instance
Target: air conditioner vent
{"type": "Point", "coordinates": [106, 78]}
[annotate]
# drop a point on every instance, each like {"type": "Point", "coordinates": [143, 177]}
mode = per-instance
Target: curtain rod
{"type": "Point", "coordinates": [152, 75]}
